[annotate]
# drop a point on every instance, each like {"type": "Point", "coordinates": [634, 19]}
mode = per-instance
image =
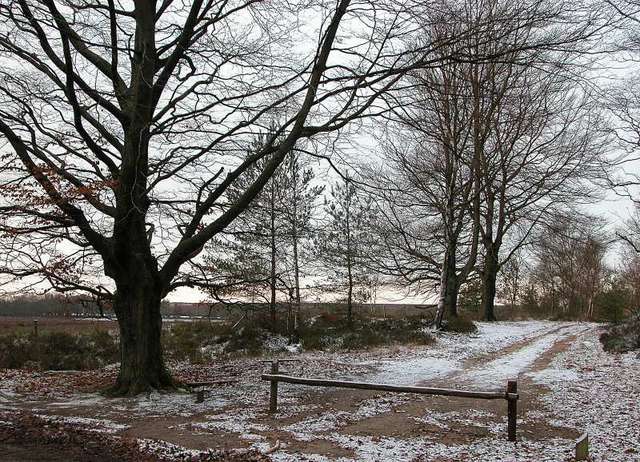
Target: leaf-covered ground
{"type": "Point", "coordinates": [568, 386]}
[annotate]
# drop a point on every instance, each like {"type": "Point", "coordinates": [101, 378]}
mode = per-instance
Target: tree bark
{"type": "Point", "coordinates": [142, 368]}
{"type": "Point", "coordinates": [489, 277]}
{"type": "Point", "coordinates": [449, 288]}
{"type": "Point", "coordinates": [350, 294]}
{"type": "Point", "coordinates": [451, 297]}
{"type": "Point", "coordinates": [349, 263]}
{"type": "Point", "coordinates": [272, 232]}
{"type": "Point", "coordinates": [296, 267]}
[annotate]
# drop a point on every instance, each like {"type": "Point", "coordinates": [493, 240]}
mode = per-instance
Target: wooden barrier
{"type": "Point", "coordinates": [510, 394]}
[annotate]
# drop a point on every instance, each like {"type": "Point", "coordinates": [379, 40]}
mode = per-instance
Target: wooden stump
{"type": "Point", "coordinates": [582, 447]}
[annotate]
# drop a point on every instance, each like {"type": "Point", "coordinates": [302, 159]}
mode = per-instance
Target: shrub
{"type": "Point", "coordinates": [248, 339]}
{"type": "Point", "coordinates": [364, 334]}
{"type": "Point", "coordinates": [185, 340]}
{"type": "Point", "coordinates": [610, 305]}
{"type": "Point", "coordinates": [623, 337]}
{"type": "Point", "coordinates": [460, 325]}
{"type": "Point", "coordinates": [58, 350]}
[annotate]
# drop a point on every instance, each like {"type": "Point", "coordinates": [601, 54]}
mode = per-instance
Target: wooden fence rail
{"type": "Point", "coordinates": [510, 394]}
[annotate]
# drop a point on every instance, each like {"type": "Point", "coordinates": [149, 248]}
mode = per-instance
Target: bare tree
{"type": "Point", "coordinates": [543, 145]}
{"type": "Point", "coordinates": [126, 123]}
{"type": "Point", "coordinates": [430, 194]}
{"type": "Point", "coordinates": [484, 147]}
{"type": "Point", "coordinates": [570, 264]}
{"type": "Point", "coordinates": [511, 278]}
{"type": "Point", "coordinates": [622, 99]}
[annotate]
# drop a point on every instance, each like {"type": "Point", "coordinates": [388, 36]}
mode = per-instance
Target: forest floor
{"type": "Point", "coordinates": [568, 386]}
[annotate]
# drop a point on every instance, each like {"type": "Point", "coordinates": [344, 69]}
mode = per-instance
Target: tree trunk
{"type": "Point", "coordinates": [296, 263]}
{"type": "Point", "coordinates": [349, 262]}
{"type": "Point", "coordinates": [448, 299]}
{"type": "Point", "coordinates": [349, 294]}
{"type": "Point", "coordinates": [272, 230]}
{"type": "Point", "coordinates": [451, 297]}
{"type": "Point", "coordinates": [489, 277]}
{"type": "Point", "coordinates": [442, 298]}
{"type": "Point", "coordinates": [451, 286]}
{"type": "Point", "coordinates": [137, 306]}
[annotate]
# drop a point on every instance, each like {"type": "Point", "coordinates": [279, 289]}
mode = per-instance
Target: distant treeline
{"type": "Point", "coordinates": [49, 305]}
{"type": "Point", "coordinates": [76, 306]}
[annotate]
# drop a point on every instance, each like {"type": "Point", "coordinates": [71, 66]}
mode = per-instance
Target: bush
{"type": "Point", "coordinates": [199, 342]}
{"type": "Point", "coordinates": [187, 340]}
{"type": "Point", "coordinates": [459, 325]}
{"type": "Point", "coordinates": [58, 350]}
{"type": "Point", "coordinates": [623, 337]}
{"type": "Point", "coordinates": [610, 305]}
{"type": "Point", "coordinates": [322, 335]}
{"type": "Point", "coordinates": [248, 339]}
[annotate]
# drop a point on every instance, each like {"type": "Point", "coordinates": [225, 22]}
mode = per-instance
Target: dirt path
{"type": "Point", "coordinates": [328, 424]}
{"type": "Point", "coordinates": [407, 417]}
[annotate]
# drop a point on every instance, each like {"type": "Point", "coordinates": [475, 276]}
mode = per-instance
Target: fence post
{"type": "Point", "coordinates": [35, 327]}
{"type": "Point", "coordinates": [582, 447]}
{"type": "Point", "coordinates": [273, 393]}
{"type": "Point", "coordinates": [512, 409]}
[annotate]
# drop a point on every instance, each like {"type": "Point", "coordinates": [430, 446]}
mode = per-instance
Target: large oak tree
{"type": "Point", "coordinates": [126, 122]}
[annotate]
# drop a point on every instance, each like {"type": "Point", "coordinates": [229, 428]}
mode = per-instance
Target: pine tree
{"type": "Point", "coordinates": [260, 256]}
{"type": "Point", "coordinates": [342, 243]}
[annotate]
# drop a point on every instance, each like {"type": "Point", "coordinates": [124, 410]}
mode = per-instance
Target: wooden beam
{"type": "Point", "coordinates": [392, 388]}
{"type": "Point", "coordinates": [209, 383]}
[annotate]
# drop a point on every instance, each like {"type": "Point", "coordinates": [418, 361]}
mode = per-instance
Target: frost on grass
{"type": "Point", "coordinates": [589, 390]}
{"type": "Point", "coordinates": [85, 423]}
{"type": "Point", "coordinates": [602, 400]}
{"type": "Point", "coordinates": [236, 422]}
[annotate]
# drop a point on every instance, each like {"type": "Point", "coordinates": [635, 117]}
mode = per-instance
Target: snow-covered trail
{"type": "Point", "coordinates": [568, 386]}
{"type": "Point", "coordinates": [498, 352]}
{"type": "Point", "coordinates": [514, 363]}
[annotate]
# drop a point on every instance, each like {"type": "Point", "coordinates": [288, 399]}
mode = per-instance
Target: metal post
{"type": "Point", "coordinates": [512, 408]}
{"type": "Point", "coordinates": [273, 394]}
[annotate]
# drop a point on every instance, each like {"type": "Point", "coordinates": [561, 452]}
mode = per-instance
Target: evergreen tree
{"type": "Point", "coordinates": [259, 257]}
{"type": "Point", "coordinates": [342, 244]}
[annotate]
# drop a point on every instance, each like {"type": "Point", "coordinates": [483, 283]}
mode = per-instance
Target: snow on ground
{"type": "Point", "coordinates": [96, 425]}
{"type": "Point", "coordinates": [501, 369]}
{"type": "Point", "coordinates": [449, 354]}
{"type": "Point", "coordinates": [600, 398]}
{"type": "Point", "coordinates": [590, 390]}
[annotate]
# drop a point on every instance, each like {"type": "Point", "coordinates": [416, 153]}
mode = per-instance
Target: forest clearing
{"type": "Point", "coordinates": [320, 230]}
{"type": "Point", "coordinates": [567, 384]}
